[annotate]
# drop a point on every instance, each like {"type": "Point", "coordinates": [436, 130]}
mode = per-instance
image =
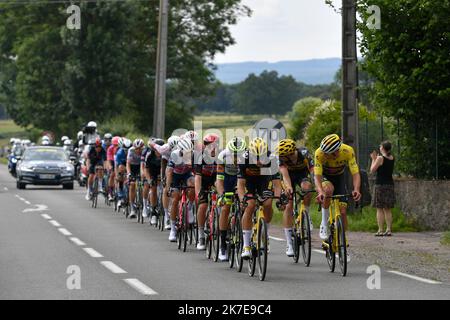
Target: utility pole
{"type": "Point", "coordinates": [350, 111]}
{"type": "Point", "coordinates": [159, 113]}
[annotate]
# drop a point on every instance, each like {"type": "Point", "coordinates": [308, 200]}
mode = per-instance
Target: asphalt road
{"type": "Point", "coordinates": [46, 232]}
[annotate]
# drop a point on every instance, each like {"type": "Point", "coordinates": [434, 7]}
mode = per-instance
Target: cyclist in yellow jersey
{"type": "Point", "coordinates": [330, 161]}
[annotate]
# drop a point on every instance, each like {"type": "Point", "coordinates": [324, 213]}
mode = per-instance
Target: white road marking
{"type": "Point", "coordinates": [113, 267]}
{"type": "Point", "coordinates": [39, 207]}
{"type": "Point", "coordinates": [28, 202]}
{"type": "Point", "coordinates": [46, 216]}
{"type": "Point", "coordinates": [64, 232]}
{"type": "Point", "coordinates": [92, 253]}
{"type": "Point", "coordinates": [5, 188]}
{"type": "Point", "coordinates": [55, 223]}
{"type": "Point", "coordinates": [78, 242]}
{"type": "Point", "coordinates": [415, 277]}
{"type": "Point", "coordinates": [276, 239]}
{"type": "Point", "coordinates": [139, 286]}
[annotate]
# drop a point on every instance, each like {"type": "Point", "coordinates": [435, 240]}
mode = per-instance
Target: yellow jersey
{"type": "Point", "coordinates": [335, 167]}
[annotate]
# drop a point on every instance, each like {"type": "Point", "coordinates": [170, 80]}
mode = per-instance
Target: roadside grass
{"type": "Point", "coordinates": [360, 221]}
{"type": "Point", "coordinates": [4, 161]}
{"type": "Point", "coordinates": [8, 130]}
{"type": "Point", "coordinates": [445, 240]}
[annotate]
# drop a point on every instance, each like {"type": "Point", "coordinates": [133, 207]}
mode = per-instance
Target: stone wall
{"type": "Point", "coordinates": [425, 202]}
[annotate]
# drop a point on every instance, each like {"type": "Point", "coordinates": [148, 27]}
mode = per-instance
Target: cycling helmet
{"type": "Point", "coordinates": [126, 143]}
{"type": "Point", "coordinates": [64, 138]}
{"type": "Point", "coordinates": [115, 141]}
{"type": "Point", "coordinates": [191, 135]}
{"type": "Point", "coordinates": [12, 140]}
{"type": "Point", "coordinates": [285, 148]}
{"type": "Point", "coordinates": [45, 138]}
{"type": "Point", "coordinates": [98, 142]}
{"type": "Point", "coordinates": [173, 141]}
{"type": "Point", "coordinates": [92, 124]}
{"type": "Point", "coordinates": [138, 143]}
{"type": "Point", "coordinates": [107, 136]}
{"type": "Point", "coordinates": [331, 144]}
{"type": "Point", "coordinates": [186, 145]}
{"type": "Point", "coordinates": [210, 138]}
{"type": "Point", "coordinates": [236, 145]}
{"type": "Point", "coordinates": [68, 142]}
{"type": "Point", "coordinates": [80, 135]}
{"type": "Point", "coordinates": [159, 142]}
{"type": "Point", "coordinates": [45, 142]}
{"type": "Point", "coordinates": [258, 147]}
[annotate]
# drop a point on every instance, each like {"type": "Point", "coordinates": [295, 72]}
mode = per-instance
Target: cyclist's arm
{"type": "Point", "coordinates": [286, 178]}
{"type": "Point", "coordinates": [169, 176]}
{"type": "Point", "coordinates": [220, 185]}
{"type": "Point", "coordinates": [357, 184]}
{"type": "Point", "coordinates": [277, 187]}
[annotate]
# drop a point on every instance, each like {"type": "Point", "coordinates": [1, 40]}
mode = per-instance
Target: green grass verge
{"type": "Point", "coordinates": [445, 240]}
{"type": "Point", "coordinates": [4, 161]}
{"type": "Point", "coordinates": [365, 221]}
{"type": "Point", "coordinates": [8, 130]}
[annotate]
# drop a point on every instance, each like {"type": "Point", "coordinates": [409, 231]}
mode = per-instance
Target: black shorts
{"type": "Point", "coordinates": [94, 165]}
{"type": "Point", "coordinates": [297, 178]}
{"type": "Point", "coordinates": [155, 173]}
{"type": "Point", "coordinates": [230, 183]}
{"type": "Point", "coordinates": [257, 185]}
{"type": "Point", "coordinates": [207, 183]}
{"type": "Point", "coordinates": [179, 180]}
{"type": "Point", "coordinates": [135, 171]}
{"type": "Point", "coordinates": [339, 184]}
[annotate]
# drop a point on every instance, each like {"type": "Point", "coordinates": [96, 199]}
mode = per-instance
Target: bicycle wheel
{"type": "Point", "coordinates": [95, 194]}
{"type": "Point", "coordinates": [180, 233]}
{"type": "Point", "coordinates": [306, 239]}
{"type": "Point", "coordinates": [262, 249]}
{"type": "Point", "coordinates": [296, 240]}
{"type": "Point", "coordinates": [231, 247]}
{"type": "Point", "coordinates": [238, 244]}
{"type": "Point", "coordinates": [330, 254]}
{"type": "Point", "coordinates": [216, 235]}
{"type": "Point", "coordinates": [252, 261]}
{"type": "Point", "coordinates": [185, 227]}
{"type": "Point", "coordinates": [208, 233]}
{"type": "Point", "coordinates": [342, 246]}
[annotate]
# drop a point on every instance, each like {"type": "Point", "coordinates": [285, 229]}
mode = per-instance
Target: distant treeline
{"type": "Point", "coordinates": [267, 93]}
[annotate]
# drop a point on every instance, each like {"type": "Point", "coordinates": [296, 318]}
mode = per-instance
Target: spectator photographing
{"type": "Point", "coordinates": [384, 193]}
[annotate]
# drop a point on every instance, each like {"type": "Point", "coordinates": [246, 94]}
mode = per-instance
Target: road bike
{"type": "Point", "coordinates": [302, 228]}
{"type": "Point", "coordinates": [212, 233]}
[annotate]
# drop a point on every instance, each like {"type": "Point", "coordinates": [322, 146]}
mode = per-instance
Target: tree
{"type": "Point", "coordinates": [409, 58]}
{"type": "Point", "coordinates": [58, 79]}
{"type": "Point", "coordinates": [267, 94]}
{"type": "Point", "coordinates": [301, 114]}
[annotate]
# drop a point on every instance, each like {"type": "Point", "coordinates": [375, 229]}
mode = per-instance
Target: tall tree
{"type": "Point", "coordinates": [56, 78]}
{"type": "Point", "coordinates": [409, 58]}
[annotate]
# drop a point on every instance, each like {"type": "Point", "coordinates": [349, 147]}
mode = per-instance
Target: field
{"type": "Point", "coordinates": [8, 130]}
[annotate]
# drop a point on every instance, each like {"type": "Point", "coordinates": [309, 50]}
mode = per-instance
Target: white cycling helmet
{"type": "Point", "coordinates": [173, 142]}
{"type": "Point", "coordinates": [92, 124]}
{"type": "Point", "coordinates": [126, 143]}
{"type": "Point", "coordinates": [68, 142]}
{"type": "Point", "coordinates": [79, 135]}
{"type": "Point", "coordinates": [185, 145]}
{"type": "Point", "coordinates": [138, 143]}
{"type": "Point", "coordinates": [191, 135]}
{"type": "Point", "coordinates": [64, 138]}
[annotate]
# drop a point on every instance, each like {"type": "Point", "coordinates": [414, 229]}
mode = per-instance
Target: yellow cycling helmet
{"type": "Point", "coordinates": [331, 143]}
{"type": "Point", "coordinates": [258, 147]}
{"type": "Point", "coordinates": [285, 148]}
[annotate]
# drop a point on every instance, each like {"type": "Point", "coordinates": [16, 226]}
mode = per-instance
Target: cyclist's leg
{"type": "Point", "coordinates": [100, 173]}
{"type": "Point", "coordinates": [288, 220]}
{"type": "Point", "coordinates": [328, 187]}
{"type": "Point", "coordinates": [90, 181]}
{"type": "Point", "coordinates": [145, 195]}
{"type": "Point", "coordinates": [247, 219]}
{"type": "Point", "coordinates": [230, 183]}
{"type": "Point", "coordinates": [165, 197]}
{"type": "Point", "coordinates": [263, 187]}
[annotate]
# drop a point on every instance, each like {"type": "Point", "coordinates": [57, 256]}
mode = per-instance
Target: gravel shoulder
{"type": "Point", "coordinates": [419, 254]}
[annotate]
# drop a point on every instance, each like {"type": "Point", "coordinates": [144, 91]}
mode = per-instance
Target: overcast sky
{"type": "Point", "coordinates": [285, 30]}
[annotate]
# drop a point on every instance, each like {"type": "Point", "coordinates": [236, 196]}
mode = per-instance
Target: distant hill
{"type": "Point", "coordinates": [319, 71]}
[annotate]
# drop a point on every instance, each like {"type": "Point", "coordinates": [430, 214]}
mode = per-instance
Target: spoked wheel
{"type": "Point", "coordinates": [342, 247]}
{"type": "Point", "coordinates": [208, 233]}
{"type": "Point", "coordinates": [252, 261]}
{"type": "Point", "coordinates": [216, 235]}
{"type": "Point", "coordinates": [238, 244]}
{"type": "Point", "coordinates": [306, 239]}
{"type": "Point", "coordinates": [262, 246]}
{"type": "Point", "coordinates": [231, 243]}
{"type": "Point", "coordinates": [296, 240]}
{"type": "Point", "coordinates": [180, 233]}
{"type": "Point", "coordinates": [330, 254]}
